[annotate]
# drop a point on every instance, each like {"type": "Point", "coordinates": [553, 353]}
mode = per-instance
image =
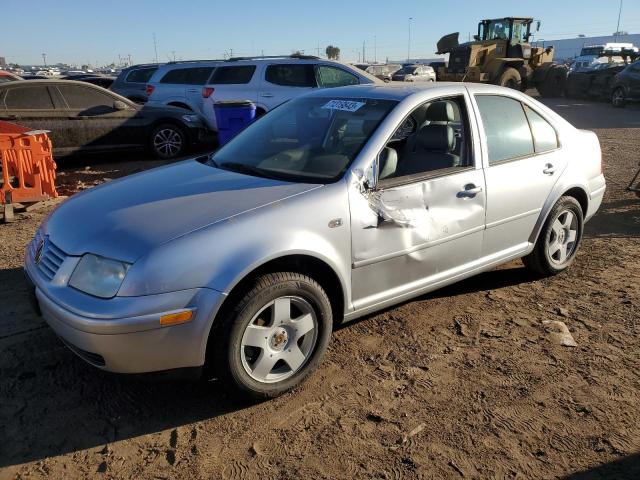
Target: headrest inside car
{"type": "Point", "coordinates": [441, 111]}
{"type": "Point", "coordinates": [437, 138]}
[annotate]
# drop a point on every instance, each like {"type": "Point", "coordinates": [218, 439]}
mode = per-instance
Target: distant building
{"type": "Point", "coordinates": [3, 62]}
{"type": "Point", "coordinates": [570, 48]}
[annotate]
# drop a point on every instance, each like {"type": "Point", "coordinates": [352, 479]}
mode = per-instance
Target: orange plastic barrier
{"type": "Point", "coordinates": [28, 169]}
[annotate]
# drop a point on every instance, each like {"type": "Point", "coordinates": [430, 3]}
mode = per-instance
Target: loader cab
{"type": "Point", "coordinates": [511, 36]}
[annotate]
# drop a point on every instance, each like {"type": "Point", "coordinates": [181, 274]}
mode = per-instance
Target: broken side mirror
{"type": "Point", "coordinates": [370, 177]}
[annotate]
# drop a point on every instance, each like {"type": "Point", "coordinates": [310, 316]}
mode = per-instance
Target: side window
{"type": "Point", "coordinates": [433, 139]}
{"type": "Point", "coordinates": [545, 137]}
{"type": "Point", "coordinates": [290, 75]}
{"type": "Point", "coordinates": [329, 77]}
{"type": "Point", "coordinates": [84, 98]}
{"type": "Point", "coordinates": [233, 75]}
{"type": "Point", "coordinates": [198, 76]}
{"type": "Point", "coordinates": [142, 75]}
{"type": "Point", "coordinates": [177, 76]}
{"type": "Point", "coordinates": [29, 98]}
{"type": "Point", "coordinates": [506, 127]}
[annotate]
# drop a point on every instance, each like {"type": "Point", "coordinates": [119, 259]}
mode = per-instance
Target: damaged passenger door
{"type": "Point", "coordinates": [422, 223]}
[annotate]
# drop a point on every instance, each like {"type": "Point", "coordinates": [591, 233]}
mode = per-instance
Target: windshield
{"type": "Point", "coordinates": [408, 70]}
{"type": "Point", "coordinates": [498, 30]}
{"type": "Point", "coordinates": [308, 139]}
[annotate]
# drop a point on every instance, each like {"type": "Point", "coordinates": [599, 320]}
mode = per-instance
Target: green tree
{"type": "Point", "coordinates": [332, 52]}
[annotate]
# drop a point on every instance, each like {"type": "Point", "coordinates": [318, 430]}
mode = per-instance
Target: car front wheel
{"type": "Point", "coordinates": [275, 337]}
{"type": "Point", "coordinates": [559, 240]}
{"type": "Point", "coordinates": [167, 141]}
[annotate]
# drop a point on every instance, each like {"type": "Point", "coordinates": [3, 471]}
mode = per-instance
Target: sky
{"type": "Point", "coordinates": [97, 32]}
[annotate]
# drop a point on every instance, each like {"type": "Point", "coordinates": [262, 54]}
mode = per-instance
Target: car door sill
{"type": "Point", "coordinates": [405, 292]}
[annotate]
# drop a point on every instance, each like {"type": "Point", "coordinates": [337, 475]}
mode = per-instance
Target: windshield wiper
{"type": "Point", "coordinates": [247, 169]}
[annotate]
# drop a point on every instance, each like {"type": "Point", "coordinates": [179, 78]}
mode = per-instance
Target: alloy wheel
{"type": "Point", "coordinates": [167, 142]}
{"type": "Point", "coordinates": [561, 240]}
{"type": "Point", "coordinates": [279, 339]}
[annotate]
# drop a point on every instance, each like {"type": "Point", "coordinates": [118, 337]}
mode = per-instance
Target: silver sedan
{"type": "Point", "coordinates": [332, 206]}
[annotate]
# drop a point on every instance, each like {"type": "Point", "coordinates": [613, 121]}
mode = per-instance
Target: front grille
{"type": "Point", "coordinates": [459, 59]}
{"type": "Point", "coordinates": [47, 256]}
{"type": "Point", "coordinates": [93, 358]}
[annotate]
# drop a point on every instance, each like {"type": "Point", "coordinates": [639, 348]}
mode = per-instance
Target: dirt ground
{"type": "Point", "coordinates": [462, 383]}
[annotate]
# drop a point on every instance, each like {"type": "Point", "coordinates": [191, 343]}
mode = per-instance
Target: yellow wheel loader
{"type": "Point", "coordinates": [501, 54]}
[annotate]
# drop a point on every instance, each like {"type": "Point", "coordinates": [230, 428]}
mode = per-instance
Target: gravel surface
{"type": "Point", "coordinates": [462, 383]}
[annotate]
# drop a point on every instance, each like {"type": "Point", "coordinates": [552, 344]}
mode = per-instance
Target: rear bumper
{"type": "Point", "coordinates": [595, 200]}
{"type": "Point", "coordinates": [138, 343]}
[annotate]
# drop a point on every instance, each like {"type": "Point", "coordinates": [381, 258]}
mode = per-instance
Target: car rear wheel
{"type": "Point", "coordinates": [554, 83]}
{"type": "Point", "coordinates": [618, 98]}
{"type": "Point", "coordinates": [274, 337]}
{"type": "Point", "coordinates": [168, 141]}
{"type": "Point", "coordinates": [559, 240]}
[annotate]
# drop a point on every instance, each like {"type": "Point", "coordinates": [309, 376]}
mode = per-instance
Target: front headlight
{"type": "Point", "coordinates": [191, 118]}
{"type": "Point", "coordinates": [98, 276]}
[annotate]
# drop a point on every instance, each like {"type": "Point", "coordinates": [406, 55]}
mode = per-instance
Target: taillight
{"type": "Point", "coordinates": [149, 90]}
{"type": "Point", "coordinates": [207, 91]}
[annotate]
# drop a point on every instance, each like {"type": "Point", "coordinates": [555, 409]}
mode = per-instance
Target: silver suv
{"type": "Point", "coordinates": [181, 84]}
{"type": "Point", "coordinates": [271, 81]}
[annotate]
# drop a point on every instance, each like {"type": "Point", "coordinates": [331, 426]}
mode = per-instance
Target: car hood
{"type": "Point", "coordinates": [124, 219]}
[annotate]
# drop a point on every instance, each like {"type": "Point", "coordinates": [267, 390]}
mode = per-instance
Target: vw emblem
{"type": "Point", "coordinates": [39, 250]}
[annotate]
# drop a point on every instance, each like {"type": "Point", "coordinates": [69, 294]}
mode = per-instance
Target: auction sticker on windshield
{"type": "Point", "coordinates": [344, 105]}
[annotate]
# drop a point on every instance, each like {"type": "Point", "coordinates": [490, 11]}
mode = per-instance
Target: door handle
{"type": "Point", "coordinates": [266, 95]}
{"type": "Point", "coordinates": [549, 169]}
{"type": "Point", "coordinates": [469, 191]}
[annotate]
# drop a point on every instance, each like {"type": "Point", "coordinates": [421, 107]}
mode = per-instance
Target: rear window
{"type": "Point", "coordinates": [233, 75]}
{"type": "Point", "coordinates": [29, 98]}
{"type": "Point", "coordinates": [291, 75]}
{"type": "Point", "coordinates": [84, 98]}
{"type": "Point", "coordinates": [188, 76]}
{"type": "Point", "coordinates": [141, 75]}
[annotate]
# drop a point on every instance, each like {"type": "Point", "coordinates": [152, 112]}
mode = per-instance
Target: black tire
{"type": "Point", "coordinates": [167, 141]}
{"type": "Point", "coordinates": [554, 84]}
{"type": "Point", "coordinates": [510, 78]}
{"type": "Point", "coordinates": [227, 357]}
{"type": "Point", "coordinates": [540, 260]}
{"type": "Point", "coordinates": [618, 98]}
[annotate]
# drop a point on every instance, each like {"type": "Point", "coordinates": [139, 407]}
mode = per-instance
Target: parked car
{"type": "Point", "coordinates": [132, 81]}
{"type": "Point", "coordinates": [181, 84]}
{"type": "Point", "coordinates": [30, 76]}
{"type": "Point", "coordinates": [271, 81]}
{"type": "Point", "coordinates": [103, 81]}
{"type": "Point", "coordinates": [383, 72]}
{"type": "Point", "coordinates": [593, 82]}
{"type": "Point", "coordinates": [337, 204]}
{"type": "Point", "coordinates": [8, 76]}
{"type": "Point", "coordinates": [415, 73]}
{"type": "Point", "coordinates": [626, 85]}
{"type": "Point", "coordinates": [85, 118]}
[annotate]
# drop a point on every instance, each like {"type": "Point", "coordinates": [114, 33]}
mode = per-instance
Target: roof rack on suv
{"type": "Point", "coordinates": [173, 62]}
{"type": "Point", "coordinates": [258, 57]}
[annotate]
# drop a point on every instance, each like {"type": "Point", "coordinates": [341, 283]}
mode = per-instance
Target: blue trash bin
{"type": "Point", "coordinates": [232, 116]}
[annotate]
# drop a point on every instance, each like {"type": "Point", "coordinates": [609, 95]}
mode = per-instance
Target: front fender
{"type": "Point", "coordinates": [221, 255]}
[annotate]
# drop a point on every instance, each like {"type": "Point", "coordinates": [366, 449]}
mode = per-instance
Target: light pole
{"type": "Point", "coordinates": [409, 44]}
{"type": "Point", "coordinates": [375, 49]}
{"type": "Point", "coordinates": [44, 59]}
{"type": "Point", "coordinates": [618, 27]}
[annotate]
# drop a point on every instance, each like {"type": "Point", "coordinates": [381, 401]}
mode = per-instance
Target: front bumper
{"type": "Point", "coordinates": [124, 334]}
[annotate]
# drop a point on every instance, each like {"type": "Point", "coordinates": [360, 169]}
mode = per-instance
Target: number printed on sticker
{"type": "Point", "coordinates": [344, 105]}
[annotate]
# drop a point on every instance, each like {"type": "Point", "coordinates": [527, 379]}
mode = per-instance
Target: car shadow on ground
{"type": "Point", "coordinates": [616, 219]}
{"type": "Point", "coordinates": [625, 468]}
{"type": "Point", "coordinates": [84, 407]}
